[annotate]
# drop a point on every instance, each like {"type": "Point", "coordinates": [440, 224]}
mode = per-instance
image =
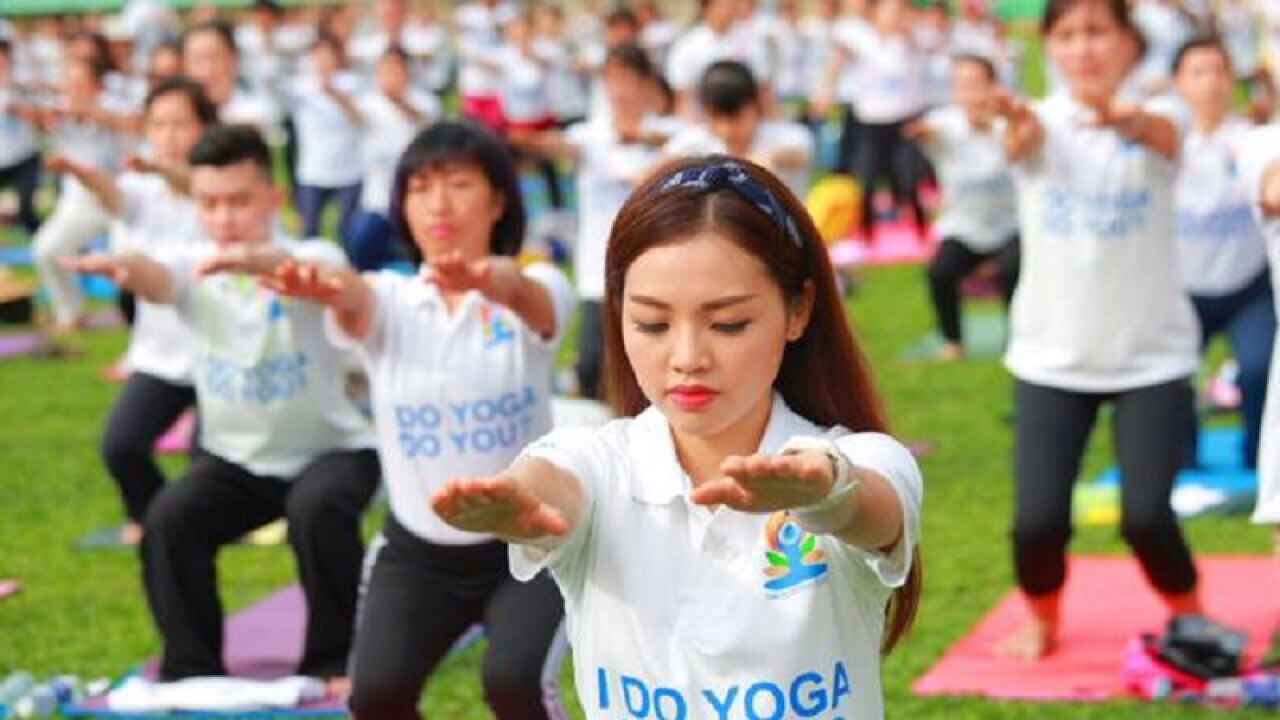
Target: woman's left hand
{"type": "Point", "coordinates": [768, 483]}
{"type": "Point", "coordinates": [497, 278]}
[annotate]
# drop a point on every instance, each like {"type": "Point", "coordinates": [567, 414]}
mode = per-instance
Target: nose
{"type": "Point", "coordinates": [689, 351]}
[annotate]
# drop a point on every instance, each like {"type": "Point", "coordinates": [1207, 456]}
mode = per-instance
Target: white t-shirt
{"type": "Point", "coordinates": [17, 136]}
{"type": "Point", "coordinates": [160, 223]}
{"type": "Point", "coordinates": [329, 152]}
{"type": "Point", "coordinates": [1263, 149]}
{"type": "Point", "coordinates": [1242, 30]}
{"type": "Point", "coordinates": [479, 34]}
{"type": "Point", "coordinates": [90, 144]}
{"type": "Point", "coordinates": [657, 38]}
{"type": "Point", "coordinates": [524, 86]}
{"type": "Point", "coordinates": [607, 172]}
{"type": "Point", "coordinates": [1165, 30]}
{"type": "Point", "coordinates": [427, 46]}
{"type": "Point", "coordinates": [1219, 243]}
{"type": "Point", "coordinates": [852, 33]}
{"type": "Point", "coordinates": [246, 108]}
{"type": "Point", "coordinates": [1099, 305]}
{"type": "Point", "coordinates": [454, 394]}
{"type": "Point", "coordinates": [979, 205]}
{"type": "Point", "coordinates": [891, 76]}
{"type": "Point", "coordinates": [818, 39]}
{"type": "Point", "coordinates": [388, 130]}
{"type": "Point", "coordinates": [698, 48]}
{"type": "Point", "coordinates": [685, 612]}
{"type": "Point", "coordinates": [566, 87]}
{"type": "Point", "coordinates": [771, 136]}
{"type": "Point", "coordinates": [269, 383]}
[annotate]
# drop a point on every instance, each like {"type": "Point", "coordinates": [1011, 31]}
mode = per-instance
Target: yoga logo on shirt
{"type": "Point", "coordinates": [794, 558]}
{"type": "Point", "coordinates": [497, 329]}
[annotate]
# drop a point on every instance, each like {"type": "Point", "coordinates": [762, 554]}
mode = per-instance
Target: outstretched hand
{"type": "Point", "coordinates": [768, 483]}
{"type": "Point", "coordinates": [497, 278]}
{"type": "Point", "coordinates": [305, 281]}
{"type": "Point", "coordinates": [498, 505]}
{"type": "Point", "coordinates": [113, 267]}
{"type": "Point", "coordinates": [57, 164]}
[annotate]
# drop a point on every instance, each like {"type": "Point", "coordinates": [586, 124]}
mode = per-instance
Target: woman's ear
{"type": "Point", "coordinates": [801, 311]}
{"type": "Point", "coordinates": [498, 207]}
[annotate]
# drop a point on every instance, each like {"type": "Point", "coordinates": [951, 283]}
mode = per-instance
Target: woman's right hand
{"type": "Point", "coordinates": [500, 506]}
{"type": "Point", "coordinates": [307, 281]}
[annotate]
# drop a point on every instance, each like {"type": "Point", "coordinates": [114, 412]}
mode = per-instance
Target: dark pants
{"type": "Point", "coordinates": [145, 409]}
{"type": "Point", "coordinates": [883, 152]}
{"type": "Point", "coordinates": [1248, 317]}
{"type": "Point", "coordinates": [1052, 428]}
{"type": "Point", "coordinates": [590, 368]}
{"type": "Point", "coordinates": [850, 139]}
{"type": "Point", "coordinates": [371, 243]}
{"type": "Point", "coordinates": [313, 200]}
{"type": "Point", "coordinates": [24, 178]}
{"type": "Point", "coordinates": [419, 598]}
{"type": "Point", "coordinates": [217, 502]}
{"type": "Point", "coordinates": [951, 265]}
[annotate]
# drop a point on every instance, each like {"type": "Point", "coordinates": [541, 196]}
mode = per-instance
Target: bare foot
{"type": "Point", "coordinates": [949, 352]}
{"type": "Point", "coordinates": [339, 687]}
{"type": "Point", "coordinates": [1030, 643]}
{"type": "Point", "coordinates": [131, 534]}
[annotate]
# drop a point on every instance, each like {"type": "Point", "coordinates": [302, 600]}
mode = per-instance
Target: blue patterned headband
{"type": "Point", "coordinates": [733, 176]}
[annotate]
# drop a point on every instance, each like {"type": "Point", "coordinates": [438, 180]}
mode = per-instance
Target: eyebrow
{"type": "Point", "coordinates": [717, 304]}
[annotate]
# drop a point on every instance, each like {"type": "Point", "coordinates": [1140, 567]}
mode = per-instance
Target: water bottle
{"type": "Point", "coordinates": [68, 689]}
{"type": "Point", "coordinates": [41, 702]}
{"type": "Point", "coordinates": [1262, 691]}
{"type": "Point", "coordinates": [14, 687]}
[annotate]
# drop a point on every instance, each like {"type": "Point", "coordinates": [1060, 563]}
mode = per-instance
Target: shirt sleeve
{"type": "Point", "coordinates": [563, 299]}
{"type": "Point", "coordinates": [888, 458]}
{"type": "Point", "coordinates": [1259, 150]}
{"type": "Point", "coordinates": [579, 452]}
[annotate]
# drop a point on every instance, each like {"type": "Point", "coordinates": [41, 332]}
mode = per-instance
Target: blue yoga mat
{"type": "Point", "coordinates": [1220, 485]}
{"type": "Point", "coordinates": [16, 255]}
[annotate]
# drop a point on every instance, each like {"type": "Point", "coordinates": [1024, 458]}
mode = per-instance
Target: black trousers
{"type": "Point", "coordinates": [145, 409]}
{"type": "Point", "coordinates": [419, 598]}
{"type": "Point", "coordinates": [1052, 428]}
{"type": "Point", "coordinates": [951, 265]}
{"type": "Point", "coordinates": [24, 178]}
{"type": "Point", "coordinates": [215, 503]}
{"type": "Point", "coordinates": [883, 152]}
{"type": "Point", "coordinates": [590, 366]}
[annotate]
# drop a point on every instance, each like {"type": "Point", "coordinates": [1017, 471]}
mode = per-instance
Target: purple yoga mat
{"type": "Point", "coordinates": [264, 641]}
{"type": "Point", "coordinates": [19, 344]}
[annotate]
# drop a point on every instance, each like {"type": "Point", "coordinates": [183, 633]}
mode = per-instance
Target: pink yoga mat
{"type": "Point", "coordinates": [896, 243]}
{"type": "Point", "coordinates": [1107, 603]}
{"type": "Point", "coordinates": [177, 439]}
{"type": "Point", "coordinates": [9, 587]}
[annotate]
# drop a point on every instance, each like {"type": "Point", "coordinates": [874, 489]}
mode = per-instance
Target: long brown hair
{"type": "Point", "coordinates": [824, 376]}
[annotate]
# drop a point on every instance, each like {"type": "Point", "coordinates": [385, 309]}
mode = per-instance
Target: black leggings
{"type": "Point", "coordinates": [951, 265]}
{"type": "Point", "coordinates": [418, 598]}
{"type": "Point", "coordinates": [215, 503]}
{"type": "Point", "coordinates": [590, 367]}
{"type": "Point", "coordinates": [145, 409]}
{"type": "Point", "coordinates": [24, 178]}
{"type": "Point", "coordinates": [1053, 427]}
{"type": "Point", "coordinates": [883, 151]}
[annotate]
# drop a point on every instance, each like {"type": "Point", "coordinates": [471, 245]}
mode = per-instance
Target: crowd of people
{"type": "Point", "coordinates": [1125, 217]}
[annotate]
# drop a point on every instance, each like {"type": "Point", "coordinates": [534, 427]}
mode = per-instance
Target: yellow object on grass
{"type": "Point", "coordinates": [835, 204]}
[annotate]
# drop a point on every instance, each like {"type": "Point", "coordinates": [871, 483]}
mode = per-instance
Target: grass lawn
{"type": "Point", "coordinates": [83, 613]}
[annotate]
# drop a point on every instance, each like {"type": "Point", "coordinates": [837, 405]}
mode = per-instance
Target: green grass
{"type": "Point", "coordinates": [83, 613]}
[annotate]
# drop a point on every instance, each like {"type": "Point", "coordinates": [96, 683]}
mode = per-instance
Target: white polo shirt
{"type": "Point", "coordinates": [454, 393]}
{"type": "Point", "coordinates": [161, 223]}
{"type": "Point", "coordinates": [92, 144]}
{"type": "Point", "coordinates": [771, 135]}
{"type": "Point", "coordinates": [979, 206]}
{"type": "Point", "coordinates": [478, 35]}
{"type": "Point", "coordinates": [1219, 241]}
{"type": "Point", "coordinates": [17, 136]}
{"type": "Point", "coordinates": [387, 131]}
{"type": "Point", "coordinates": [891, 77]}
{"type": "Point", "coordinates": [524, 85]}
{"type": "Point", "coordinates": [269, 383]}
{"type": "Point", "coordinates": [607, 172]}
{"type": "Point", "coordinates": [1099, 305]}
{"type": "Point", "coordinates": [697, 49]}
{"type": "Point", "coordinates": [1263, 149]}
{"type": "Point", "coordinates": [329, 140]}
{"type": "Point", "coordinates": [852, 33]}
{"type": "Point", "coordinates": [675, 611]}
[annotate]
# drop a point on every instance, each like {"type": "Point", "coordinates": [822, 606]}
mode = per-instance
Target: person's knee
{"type": "Point", "coordinates": [1149, 527]}
{"type": "Point", "coordinates": [121, 450]}
{"type": "Point", "coordinates": [940, 274]}
{"type": "Point", "coordinates": [1036, 535]}
{"type": "Point", "coordinates": [170, 515]}
{"type": "Point", "coordinates": [317, 513]}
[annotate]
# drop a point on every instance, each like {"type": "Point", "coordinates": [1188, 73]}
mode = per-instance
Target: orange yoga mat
{"type": "Point", "coordinates": [1107, 603]}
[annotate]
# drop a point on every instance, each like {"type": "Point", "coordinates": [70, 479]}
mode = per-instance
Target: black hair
{"type": "Point", "coordinates": [622, 16]}
{"type": "Point", "coordinates": [224, 145]}
{"type": "Point", "coordinates": [634, 58]}
{"type": "Point", "coordinates": [171, 45]}
{"type": "Point", "coordinates": [96, 68]}
{"type": "Point", "coordinates": [219, 27]}
{"type": "Point", "coordinates": [324, 38]}
{"type": "Point", "coordinates": [395, 51]}
{"type": "Point", "coordinates": [727, 88]}
{"type": "Point", "coordinates": [1054, 11]}
{"type": "Point", "coordinates": [193, 91]}
{"type": "Point", "coordinates": [462, 142]}
{"type": "Point", "coordinates": [271, 6]}
{"type": "Point", "coordinates": [101, 49]}
{"type": "Point", "coordinates": [6, 48]}
{"type": "Point", "coordinates": [1199, 42]}
{"type": "Point", "coordinates": [981, 61]}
